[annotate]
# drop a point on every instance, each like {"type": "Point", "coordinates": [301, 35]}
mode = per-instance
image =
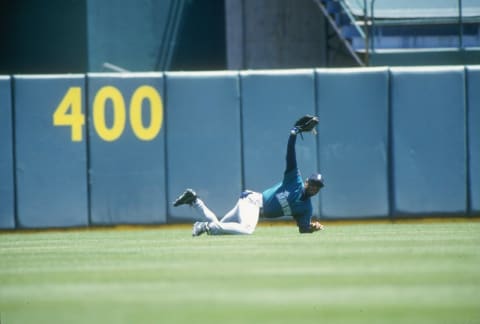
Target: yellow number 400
{"type": "Point", "coordinates": [69, 113]}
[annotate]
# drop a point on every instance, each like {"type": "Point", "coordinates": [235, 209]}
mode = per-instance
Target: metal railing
{"type": "Point", "coordinates": [371, 33]}
{"type": "Point", "coordinates": [368, 31]}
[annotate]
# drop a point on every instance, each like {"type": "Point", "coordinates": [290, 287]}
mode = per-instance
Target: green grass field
{"type": "Point", "coordinates": [359, 273]}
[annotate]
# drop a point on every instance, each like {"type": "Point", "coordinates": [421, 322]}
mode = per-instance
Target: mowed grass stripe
{"type": "Point", "coordinates": [375, 273]}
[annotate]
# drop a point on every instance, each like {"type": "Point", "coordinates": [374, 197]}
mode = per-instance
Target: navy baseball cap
{"type": "Point", "coordinates": [316, 179]}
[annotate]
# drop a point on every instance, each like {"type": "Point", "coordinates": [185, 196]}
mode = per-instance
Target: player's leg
{"type": "Point", "coordinates": [203, 227]}
{"type": "Point", "coordinates": [204, 211]}
{"type": "Point", "coordinates": [235, 215]}
{"type": "Point", "coordinates": [232, 216]}
{"type": "Point", "coordinates": [228, 229]}
{"type": "Point", "coordinates": [249, 220]}
{"type": "Point", "coordinates": [242, 219]}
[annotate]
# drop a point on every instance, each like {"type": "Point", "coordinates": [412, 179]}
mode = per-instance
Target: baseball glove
{"type": "Point", "coordinates": [305, 124]}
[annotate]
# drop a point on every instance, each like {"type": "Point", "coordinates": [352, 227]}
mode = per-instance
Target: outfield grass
{"type": "Point", "coordinates": [367, 273]}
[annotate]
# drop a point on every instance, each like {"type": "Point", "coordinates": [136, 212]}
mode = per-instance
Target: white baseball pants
{"type": "Point", "coordinates": [242, 219]}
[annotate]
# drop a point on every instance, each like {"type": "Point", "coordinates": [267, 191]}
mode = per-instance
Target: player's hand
{"type": "Point", "coordinates": [316, 226]}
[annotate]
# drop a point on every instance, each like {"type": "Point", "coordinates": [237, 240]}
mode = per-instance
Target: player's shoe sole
{"type": "Point", "coordinates": [187, 198]}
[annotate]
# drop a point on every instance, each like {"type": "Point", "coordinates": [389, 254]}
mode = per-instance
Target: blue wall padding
{"type": "Point", "coordinates": [203, 140]}
{"type": "Point", "coordinates": [51, 170]}
{"type": "Point", "coordinates": [353, 135]}
{"type": "Point", "coordinates": [271, 103]}
{"type": "Point", "coordinates": [473, 83]}
{"type": "Point", "coordinates": [7, 191]}
{"type": "Point", "coordinates": [428, 141]}
{"type": "Point", "coordinates": [127, 174]}
{"type": "Point", "coordinates": [392, 142]}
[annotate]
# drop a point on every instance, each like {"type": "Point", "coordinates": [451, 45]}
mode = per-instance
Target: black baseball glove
{"type": "Point", "coordinates": [305, 124]}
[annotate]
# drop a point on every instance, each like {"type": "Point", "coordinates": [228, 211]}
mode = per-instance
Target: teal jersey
{"type": "Point", "coordinates": [285, 199]}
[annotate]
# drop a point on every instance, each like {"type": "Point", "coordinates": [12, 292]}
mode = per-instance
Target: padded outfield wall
{"type": "Point", "coordinates": [106, 149]}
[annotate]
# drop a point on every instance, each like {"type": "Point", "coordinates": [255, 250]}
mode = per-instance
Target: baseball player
{"type": "Point", "coordinates": [291, 197]}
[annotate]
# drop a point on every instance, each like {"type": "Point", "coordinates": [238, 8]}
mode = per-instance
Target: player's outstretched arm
{"type": "Point", "coordinates": [291, 154]}
{"type": "Point", "coordinates": [305, 124]}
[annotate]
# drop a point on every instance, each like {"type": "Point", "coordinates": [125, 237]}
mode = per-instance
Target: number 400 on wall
{"type": "Point", "coordinates": [69, 113]}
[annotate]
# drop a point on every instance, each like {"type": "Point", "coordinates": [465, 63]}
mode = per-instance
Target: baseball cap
{"type": "Point", "coordinates": [316, 179]}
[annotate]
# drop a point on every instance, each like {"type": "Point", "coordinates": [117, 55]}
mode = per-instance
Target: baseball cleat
{"type": "Point", "coordinates": [187, 198]}
{"type": "Point", "coordinates": [199, 228]}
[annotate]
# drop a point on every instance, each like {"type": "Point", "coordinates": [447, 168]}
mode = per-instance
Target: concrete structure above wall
{"type": "Point", "coordinates": [274, 34]}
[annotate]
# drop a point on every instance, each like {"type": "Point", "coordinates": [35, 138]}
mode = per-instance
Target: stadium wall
{"type": "Point", "coordinates": [429, 141]}
{"type": "Point", "coordinates": [106, 149]}
{"type": "Point", "coordinates": [7, 192]}
{"type": "Point", "coordinates": [50, 165]}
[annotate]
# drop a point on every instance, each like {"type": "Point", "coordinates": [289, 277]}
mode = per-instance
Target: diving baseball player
{"type": "Point", "coordinates": [291, 197]}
